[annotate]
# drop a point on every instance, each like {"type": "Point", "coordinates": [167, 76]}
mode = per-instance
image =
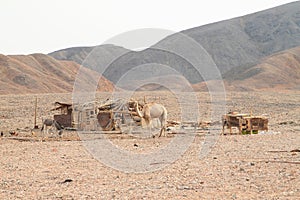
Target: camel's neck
{"type": "Point", "coordinates": [140, 114]}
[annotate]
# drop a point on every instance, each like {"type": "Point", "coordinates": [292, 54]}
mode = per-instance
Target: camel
{"type": "Point", "coordinates": [52, 123]}
{"type": "Point", "coordinates": [153, 111]}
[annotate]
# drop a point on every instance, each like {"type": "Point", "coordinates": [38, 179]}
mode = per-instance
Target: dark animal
{"type": "Point", "coordinates": [52, 123]}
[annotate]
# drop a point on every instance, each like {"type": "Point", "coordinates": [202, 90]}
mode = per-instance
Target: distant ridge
{"type": "Point", "coordinates": [280, 71]}
{"type": "Point", "coordinates": [249, 38]}
{"type": "Point", "coordinates": [39, 73]}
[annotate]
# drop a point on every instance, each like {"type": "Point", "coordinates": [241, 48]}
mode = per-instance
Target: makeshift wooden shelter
{"type": "Point", "coordinates": [85, 116]}
{"type": "Point", "coordinates": [65, 116]}
{"type": "Point", "coordinates": [106, 116]}
{"type": "Point", "coordinates": [246, 123]}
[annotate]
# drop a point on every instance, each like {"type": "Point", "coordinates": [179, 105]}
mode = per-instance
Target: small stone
{"type": "Point", "coordinates": [67, 181]}
{"type": "Point", "coordinates": [183, 187]}
{"type": "Point", "coordinates": [234, 196]}
{"type": "Point", "coordinates": [295, 150]}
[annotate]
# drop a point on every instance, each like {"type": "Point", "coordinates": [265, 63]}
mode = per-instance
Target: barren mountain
{"type": "Point", "coordinates": [38, 73]}
{"type": "Point", "coordinates": [237, 42]}
{"type": "Point", "coordinates": [280, 71]}
{"type": "Point", "coordinates": [247, 39]}
{"type": "Point", "coordinates": [86, 55]}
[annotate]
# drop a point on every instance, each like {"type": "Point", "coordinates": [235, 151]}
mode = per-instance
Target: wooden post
{"type": "Point", "coordinates": [35, 108]}
{"type": "Point", "coordinates": [240, 125]}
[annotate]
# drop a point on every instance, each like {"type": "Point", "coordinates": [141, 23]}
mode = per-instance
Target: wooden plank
{"type": "Point", "coordinates": [100, 132]}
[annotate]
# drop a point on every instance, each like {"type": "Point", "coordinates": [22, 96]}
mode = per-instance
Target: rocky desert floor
{"type": "Point", "coordinates": [257, 166]}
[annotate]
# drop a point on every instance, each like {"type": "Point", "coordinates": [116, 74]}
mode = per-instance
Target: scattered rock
{"type": "Point", "coordinates": [67, 181]}
{"type": "Point", "coordinates": [234, 196]}
{"type": "Point", "coordinates": [183, 187]}
{"type": "Point", "coordinates": [13, 133]}
{"type": "Point", "coordinates": [224, 178]}
{"type": "Point", "coordinates": [295, 150]}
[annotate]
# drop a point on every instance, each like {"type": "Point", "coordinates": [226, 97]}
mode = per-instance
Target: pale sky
{"type": "Point", "coordinates": [43, 26]}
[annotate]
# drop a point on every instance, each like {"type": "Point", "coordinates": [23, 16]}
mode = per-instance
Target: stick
{"type": "Point", "coordinates": [35, 107]}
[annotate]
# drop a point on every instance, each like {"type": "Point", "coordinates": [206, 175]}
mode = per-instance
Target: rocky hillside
{"type": "Point", "coordinates": [39, 73]}
{"type": "Point", "coordinates": [280, 71]}
{"type": "Point", "coordinates": [86, 55]}
{"type": "Point", "coordinates": [237, 42]}
{"type": "Point", "coordinates": [247, 39]}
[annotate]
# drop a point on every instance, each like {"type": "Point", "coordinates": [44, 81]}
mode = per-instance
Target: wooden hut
{"type": "Point", "coordinates": [85, 116]}
{"type": "Point", "coordinates": [65, 116]}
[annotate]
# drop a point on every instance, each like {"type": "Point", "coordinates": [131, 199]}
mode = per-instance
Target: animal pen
{"type": "Point", "coordinates": [246, 123]}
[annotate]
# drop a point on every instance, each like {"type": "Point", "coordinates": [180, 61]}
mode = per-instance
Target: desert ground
{"type": "Point", "coordinates": [257, 166]}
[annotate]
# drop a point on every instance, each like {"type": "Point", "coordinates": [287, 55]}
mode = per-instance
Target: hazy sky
{"type": "Point", "coordinates": [43, 26]}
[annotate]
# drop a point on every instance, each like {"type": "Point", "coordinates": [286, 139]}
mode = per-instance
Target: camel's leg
{"type": "Point", "coordinates": [163, 126]}
{"type": "Point", "coordinates": [162, 132]}
{"type": "Point", "coordinates": [149, 122]}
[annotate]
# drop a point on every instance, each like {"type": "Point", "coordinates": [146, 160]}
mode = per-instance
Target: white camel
{"type": "Point", "coordinates": [53, 124]}
{"type": "Point", "coordinates": [152, 111]}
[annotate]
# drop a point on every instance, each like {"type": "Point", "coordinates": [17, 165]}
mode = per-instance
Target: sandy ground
{"type": "Point", "coordinates": [260, 166]}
